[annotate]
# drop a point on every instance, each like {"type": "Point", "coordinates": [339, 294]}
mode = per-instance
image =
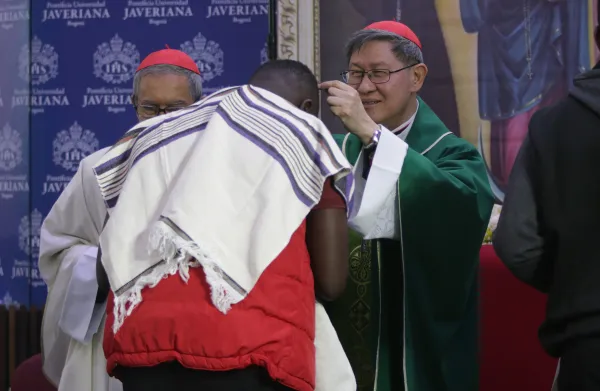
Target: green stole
{"type": "Point", "coordinates": [408, 318]}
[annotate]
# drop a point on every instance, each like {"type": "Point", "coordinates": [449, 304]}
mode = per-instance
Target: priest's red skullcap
{"type": "Point", "coordinates": [169, 57]}
{"type": "Point", "coordinates": [397, 28]}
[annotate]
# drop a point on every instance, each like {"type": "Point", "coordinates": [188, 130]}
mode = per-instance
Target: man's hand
{"type": "Point", "coordinates": [345, 103]}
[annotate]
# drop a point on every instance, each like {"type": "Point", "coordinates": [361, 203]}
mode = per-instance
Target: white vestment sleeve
{"type": "Point", "coordinates": [81, 316]}
{"type": "Point", "coordinates": [85, 368]}
{"type": "Point", "coordinates": [69, 239]}
{"type": "Point", "coordinates": [376, 210]}
{"type": "Point", "coordinates": [334, 371]}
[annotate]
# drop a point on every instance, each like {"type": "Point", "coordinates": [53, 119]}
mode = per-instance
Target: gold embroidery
{"type": "Point", "coordinates": [359, 340]}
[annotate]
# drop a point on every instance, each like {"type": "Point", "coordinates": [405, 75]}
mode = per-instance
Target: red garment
{"type": "Point", "coordinates": [29, 376]}
{"type": "Point", "coordinates": [331, 198]}
{"type": "Point", "coordinates": [272, 327]}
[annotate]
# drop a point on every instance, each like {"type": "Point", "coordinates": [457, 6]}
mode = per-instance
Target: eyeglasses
{"type": "Point", "coordinates": [149, 111]}
{"type": "Point", "coordinates": [377, 76]}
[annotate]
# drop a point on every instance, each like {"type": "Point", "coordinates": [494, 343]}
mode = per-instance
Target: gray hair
{"type": "Point", "coordinates": [405, 50]}
{"type": "Point", "coordinates": [194, 79]}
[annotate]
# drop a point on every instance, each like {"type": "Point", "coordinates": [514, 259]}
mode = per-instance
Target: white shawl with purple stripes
{"type": "Point", "coordinates": [222, 184]}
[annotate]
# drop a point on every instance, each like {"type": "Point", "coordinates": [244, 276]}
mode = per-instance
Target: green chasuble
{"type": "Point", "coordinates": [409, 317]}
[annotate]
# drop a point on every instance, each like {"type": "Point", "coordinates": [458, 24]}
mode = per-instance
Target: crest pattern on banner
{"type": "Point", "coordinates": [71, 146]}
{"type": "Point", "coordinates": [29, 233]}
{"type": "Point", "coordinates": [11, 148]}
{"type": "Point", "coordinates": [208, 55]}
{"type": "Point", "coordinates": [115, 62]}
{"type": "Point", "coordinates": [44, 62]}
{"type": "Point", "coordinates": [8, 301]}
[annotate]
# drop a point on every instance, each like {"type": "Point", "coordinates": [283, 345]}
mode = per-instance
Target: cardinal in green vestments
{"type": "Point", "coordinates": [409, 318]}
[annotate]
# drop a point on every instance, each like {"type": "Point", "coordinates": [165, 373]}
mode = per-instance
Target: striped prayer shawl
{"type": "Point", "coordinates": [148, 136]}
{"type": "Point", "coordinates": [192, 188]}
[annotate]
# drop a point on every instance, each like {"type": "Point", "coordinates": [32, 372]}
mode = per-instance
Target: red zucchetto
{"type": "Point", "coordinates": [169, 57]}
{"type": "Point", "coordinates": [397, 28]}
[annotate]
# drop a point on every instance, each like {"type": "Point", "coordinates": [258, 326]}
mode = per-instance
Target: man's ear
{"type": "Point", "coordinates": [419, 73]}
{"type": "Point", "coordinates": [309, 106]}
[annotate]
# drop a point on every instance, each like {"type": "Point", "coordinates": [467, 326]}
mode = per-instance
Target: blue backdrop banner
{"type": "Point", "coordinates": [16, 266]}
{"type": "Point", "coordinates": [83, 56]}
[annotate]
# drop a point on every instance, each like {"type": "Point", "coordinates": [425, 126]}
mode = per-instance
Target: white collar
{"type": "Point", "coordinates": [406, 125]}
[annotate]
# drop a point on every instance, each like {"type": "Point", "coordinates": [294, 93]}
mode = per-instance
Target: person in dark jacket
{"type": "Point", "coordinates": [550, 226]}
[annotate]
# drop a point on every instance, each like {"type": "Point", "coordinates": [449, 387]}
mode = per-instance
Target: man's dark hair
{"type": "Point", "coordinates": [290, 79]}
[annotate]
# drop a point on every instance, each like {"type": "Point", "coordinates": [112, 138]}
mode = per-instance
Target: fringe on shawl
{"type": "Point", "coordinates": [178, 255]}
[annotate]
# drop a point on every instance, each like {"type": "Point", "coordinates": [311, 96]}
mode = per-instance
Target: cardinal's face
{"type": "Point", "coordinates": [161, 93]}
{"type": "Point", "coordinates": [385, 102]}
